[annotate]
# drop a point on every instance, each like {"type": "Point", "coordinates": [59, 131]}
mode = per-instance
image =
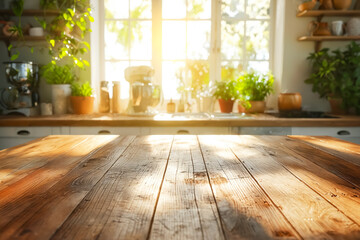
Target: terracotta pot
{"type": "Point", "coordinates": [307, 6]}
{"type": "Point", "coordinates": [289, 102]}
{"type": "Point", "coordinates": [335, 104]}
{"type": "Point", "coordinates": [82, 105]}
{"type": "Point", "coordinates": [256, 107]}
{"type": "Point", "coordinates": [326, 4]}
{"type": "Point", "coordinates": [226, 106]}
{"type": "Point", "coordinates": [342, 4]}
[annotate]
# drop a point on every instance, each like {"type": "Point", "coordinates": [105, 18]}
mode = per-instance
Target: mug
{"type": "Point", "coordinates": [337, 28]}
{"type": "Point", "coordinates": [36, 32]}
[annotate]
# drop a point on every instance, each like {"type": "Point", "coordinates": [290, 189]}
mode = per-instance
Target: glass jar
{"type": "Point", "coordinates": [104, 106]}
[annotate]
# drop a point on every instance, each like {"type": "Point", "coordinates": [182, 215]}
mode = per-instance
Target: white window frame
{"type": "Point", "coordinates": [97, 39]}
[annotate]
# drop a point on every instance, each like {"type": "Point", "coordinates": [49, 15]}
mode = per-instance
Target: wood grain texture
{"type": "Point", "coordinates": [122, 203]}
{"type": "Point", "coordinates": [337, 191]}
{"type": "Point", "coordinates": [186, 208]}
{"type": "Point", "coordinates": [245, 210]}
{"type": "Point", "coordinates": [42, 218]}
{"type": "Point", "coordinates": [17, 197]}
{"type": "Point", "coordinates": [305, 209]}
{"type": "Point", "coordinates": [339, 148]}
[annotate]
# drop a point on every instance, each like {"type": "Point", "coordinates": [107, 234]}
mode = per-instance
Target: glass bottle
{"type": "Point", "coordinates": [104, 97]}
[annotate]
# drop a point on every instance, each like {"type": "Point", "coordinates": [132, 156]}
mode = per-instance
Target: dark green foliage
{"type": "Point", "coordinates": [55, 74]}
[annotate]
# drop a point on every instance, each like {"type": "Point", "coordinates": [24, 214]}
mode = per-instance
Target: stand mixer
{"type": "Point", "coordinates": [22, 96]}
{"type": "Point", "coordinates": [144, 94]}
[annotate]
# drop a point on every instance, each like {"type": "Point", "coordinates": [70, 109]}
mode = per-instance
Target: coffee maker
{"type": "Point", "coordinates": [22, 96]}
{"type": "Point", "coordinates": [144, 94]}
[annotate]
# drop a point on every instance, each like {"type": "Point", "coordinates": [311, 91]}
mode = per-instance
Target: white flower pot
{"type": "Point", "coordinates": [60, 98]}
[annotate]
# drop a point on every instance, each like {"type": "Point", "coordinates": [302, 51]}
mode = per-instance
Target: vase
{"type": "Point", "coordinates": [289, 102]}
{"type": "Point", "coordinates": [326, 5]}
{"type": "Point", "coordinates": [82, 105]}
{"type": "Point", "coordinates": [342, 4]}
{"type": "Point", "coordinates": [60, 94]}
{"type": "Point", "coordinates": [226, 106]}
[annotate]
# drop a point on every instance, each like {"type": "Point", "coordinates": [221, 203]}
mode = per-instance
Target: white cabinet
{"type": "Point", "coordinates": [106, 130]}
{"type": "Point", "coordinates": [12, 136]}
{"type": "Point", "coordinates": [188, 130]}
{"type": "Point", "coordinates": [351, 134]}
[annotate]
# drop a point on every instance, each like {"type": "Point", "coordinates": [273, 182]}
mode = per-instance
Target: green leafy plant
{"type": "Point", "coordinates": [83, 90]}
{"type": "Point", "coordinates": [66, 32]}
{"type": "Point", "coordinates": [226, 90]}
{"type": "Point", "coordinates": [56, 74]}
{"type": "Point", "coordinates": [336, 74]}
{"type": "Point", "coordinates": [254, 86]}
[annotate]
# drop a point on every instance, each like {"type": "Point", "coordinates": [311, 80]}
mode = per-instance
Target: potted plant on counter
{"type": "Point", "coordinates": [254, 88]}
{"type": "Point", "coordinates": [336, 76]}
{"type": "Point", "coordinates": [81, 98]}
{"type": "Point", "coordinates": [226, 93]}
{"type": "Point", "coordinates": [60, 78]}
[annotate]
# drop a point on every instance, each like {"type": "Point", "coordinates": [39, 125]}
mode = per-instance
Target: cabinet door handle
{"type": "Point", "coordinates": [104, 132]}
{"type": "Point", "coordinates": [183, 132]}
{"type": "Point", "coordinates": [343, 132]}
{"type": "Point", "coordinates": [23, 133]}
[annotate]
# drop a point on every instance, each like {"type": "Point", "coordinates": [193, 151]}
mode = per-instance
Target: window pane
{"type": "Point", "coordinates": [230, 69]}
{"type": "Point", "coordinates": [114, 71]}
{"type": "Point", "coordinates": [233, 9]}
{"type": "Point", "coordinates": [174, 9]}
{"type": "Point", "coordinates": [257, 40]}
{"type": "Point", "coordinates": [262, 67]}
{"type": "Point", "coordinates": [116, 9]}
{"type": "Point", "coordinates": [259, 9]}
{"type": "Point", "coordinates": [140, 9]}
{"type": "Point", "coordinates": [199, 9]}
{"type": "Point", "coordinates": [141, 44]}
{"type": "Point", "coordinates": [232, 39]}
{"type": "Point", "coordinates": [116, 40]}
{"type": "Point", "coordinates": [171, 78]}
{"type": "Point", "coordinates": [174, 40]}
{"type": "Point", "coordinates": [199, 33]}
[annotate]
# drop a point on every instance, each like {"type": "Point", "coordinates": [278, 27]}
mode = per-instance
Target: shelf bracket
{"type": "Point", "coordinates": [318, 46]}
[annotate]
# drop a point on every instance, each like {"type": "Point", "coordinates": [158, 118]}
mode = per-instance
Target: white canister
{"type": "Point", "coordinates": [60, 98]}
{"type": "Point", "coordinates": [337, 28]}
{"type": "Point", "coordinates": [46, 109]}
{"type": "Point", "coordinates": [36, 32]}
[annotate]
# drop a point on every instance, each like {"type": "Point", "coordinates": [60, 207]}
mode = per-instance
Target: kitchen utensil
{"type": "Point", "coordinates": [319, 29]}
{"type": "Point", "coordinates": [289, 102]}
{"type": "Point", "coordinates": [342, 4]}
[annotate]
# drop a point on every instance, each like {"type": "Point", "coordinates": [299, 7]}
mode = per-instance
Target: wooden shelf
{"type": "Point", "coordinates": [321, 13]}
{"type": "Point", "coordinates": [26, 38]}
{"type": "Point", "coordinates": [32, 12]}
{"type": "Point", "coordinates": [329, 38]}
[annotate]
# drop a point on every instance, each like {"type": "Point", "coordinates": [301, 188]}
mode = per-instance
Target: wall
{"type": "Point", "coordinates": [295, 67]}
{"type": "Point", "coordinates": [40, 55]}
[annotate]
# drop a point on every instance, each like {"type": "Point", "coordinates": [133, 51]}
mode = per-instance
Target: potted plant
{"type": "Point", "coordinates": [60, 78]}
{"type": "Point", "coordinates": [81, 98]}
{"type": "Point", "coordinates": [336, 76]}
{"type": "Point", "coordinates": [226, 92]}
{"type": "Point", "coordinates": [254, 88]}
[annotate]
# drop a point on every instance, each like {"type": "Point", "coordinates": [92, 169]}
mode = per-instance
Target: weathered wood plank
{"type": "Point", "coordinates": [42, 218]}
{"type": "Point", "coordinates": [307, 211]}
{"type": "Point", "coordinates": [340, 167]}
{"type": "Point", "coordinates": [186, 207]}
{"type": "Point", "coordinates": [245, 210]}
{"type": "Point", "coordinates": [122, 203]}
{"type": "Point", "coordinates": [342, 149]}
{"type": "Point", "coordinates": [342, 194]}
{"type": "Point", "coordinates": [20, 161]}
{"type": "Point", "coordinates": [19, 196]}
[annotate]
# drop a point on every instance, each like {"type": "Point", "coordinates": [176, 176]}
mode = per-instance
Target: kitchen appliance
{"type": "Point", "coordinates": [22, 95]}
{"type": "Point", "coordinates": [144, 94]}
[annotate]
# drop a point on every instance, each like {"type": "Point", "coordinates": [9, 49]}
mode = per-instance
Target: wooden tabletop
{"type": "Point", "coordinates": [180, 187]}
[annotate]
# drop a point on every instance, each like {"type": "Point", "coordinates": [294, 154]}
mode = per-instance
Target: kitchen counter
{"type": "Point", "coordinates": [232, 120]}
{"type": "Point", "coordinates": [180, 187]}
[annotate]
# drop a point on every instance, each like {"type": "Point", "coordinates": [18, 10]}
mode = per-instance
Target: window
{"type": "Point", "coordinates": [189, 42]}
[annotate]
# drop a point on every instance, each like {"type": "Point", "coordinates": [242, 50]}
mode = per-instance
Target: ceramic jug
{"type": "Point", "coordinates": [326, 4]}
{"type": "Point", "coordinates": [319, 29]}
